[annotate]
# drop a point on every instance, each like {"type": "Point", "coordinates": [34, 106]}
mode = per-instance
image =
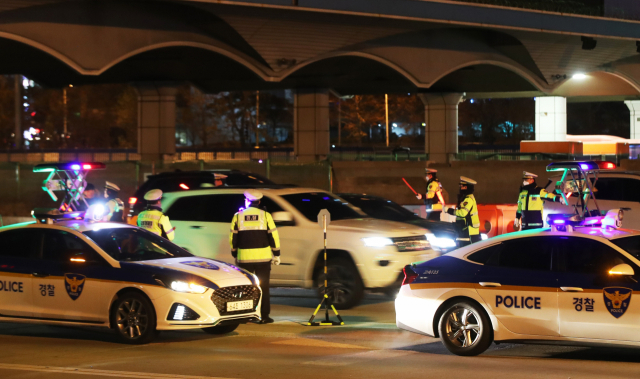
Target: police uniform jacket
{"type": "Point", "coordinates": [467, 215]}
{"type": "Point", "coordinates": [254, 237]}
{"type": "Point", "coordinates": [530, 205]}
{"type": "Point", "coordinates": [430, 199]}
{"type": "Point", "coordinates": [153, 220]}
{"type": "Point", "coordinates": [116, 210]}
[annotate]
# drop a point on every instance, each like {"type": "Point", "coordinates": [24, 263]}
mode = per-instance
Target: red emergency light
{"type": "Point", "coordinates": [132, 200]}
{"type": "Point", "coordinates": [606, 165]}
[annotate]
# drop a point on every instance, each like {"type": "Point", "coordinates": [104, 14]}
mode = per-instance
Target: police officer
{"type": "Point", "coordinates": [433, 195]}
{"type": "Point", "coordinates": [466, 212]}
{"type": "Point", "coordinates": [114, 206]}
{"type": "Point", "coordinates": [255, 245]}
{"type": "Point", "coordinates": [530, 203]}
{"type": "Point", "coordinates": [152, 218]}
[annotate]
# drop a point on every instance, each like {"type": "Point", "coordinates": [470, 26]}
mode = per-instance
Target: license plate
{"type": "Point", "coordinates": [239, 305]}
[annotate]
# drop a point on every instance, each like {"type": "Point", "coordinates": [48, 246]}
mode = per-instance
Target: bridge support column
{"type": "Point", "coordinates": [311, 124]}
{"type": "Point", "coordinates": [441, 120]}
{"type": "Point", "coordinates": [156, 120]}
{"type": "Point", "coordinates": [551, 118]}
{"type": "Point", "coordinates": [634, 112]}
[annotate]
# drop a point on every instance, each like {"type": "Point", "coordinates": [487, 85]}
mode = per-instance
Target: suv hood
{"type": "Point", "coordinates": [374, 225]}
{"type": "Point", "coordinates": [212, 270]}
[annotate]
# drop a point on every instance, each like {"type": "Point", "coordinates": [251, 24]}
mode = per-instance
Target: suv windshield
{"type": "Point", "coordinates": [131, 244]}
{"type": "Point", "coordinates": [310, 204]}
{"type": "Point", "coordinates": [629, 244]}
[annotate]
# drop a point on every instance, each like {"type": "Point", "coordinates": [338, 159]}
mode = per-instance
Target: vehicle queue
{"type": "Point", "coordinates": [502, 289]}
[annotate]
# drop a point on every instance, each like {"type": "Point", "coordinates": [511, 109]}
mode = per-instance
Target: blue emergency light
{"type": "Point", "coordinates": [69, 166]}
{"type": "Point", "coordinates": [584, 166]}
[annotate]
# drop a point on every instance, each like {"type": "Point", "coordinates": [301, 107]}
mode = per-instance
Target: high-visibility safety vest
{"type": "Point", "coordinates": [531, 205]}
{"type": "Point", "coordinates": [431, 199]}
{"type": "Point", "coordinates": [115, 208]}
{"type": "Point", "coordinates": [254, 237]}
{"type": "Point", "coordinates": [153, 220]}
{"type": "Point", "coordinates": [467, 215]}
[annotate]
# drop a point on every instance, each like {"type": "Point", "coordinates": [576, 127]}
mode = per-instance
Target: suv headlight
{"type": "Point", "coordinates": [180, 286]}
{"type": "Point", "coordinates": [440, 242]}
{"type": "Point", "coordinates": [377, 241]}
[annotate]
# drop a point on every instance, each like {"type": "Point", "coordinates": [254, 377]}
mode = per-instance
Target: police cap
{"type": "Point", "coordinates": [430, 171]}
{"type": "Point", "coordinates": [111, 186]}
{"type": "Point", "coordinates": [528, 175]}
{"type": "Point", "coordinates": [252, 195]}
{"type": "Point", "coordinates": [153, 195]}
{"type": "Point", "coordinates": [465, 180]}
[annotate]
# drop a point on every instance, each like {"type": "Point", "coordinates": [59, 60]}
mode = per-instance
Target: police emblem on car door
{"type": "Point", "coordinates": [74, 284]}
{"type": "Point", "coordinates": [617, 300]}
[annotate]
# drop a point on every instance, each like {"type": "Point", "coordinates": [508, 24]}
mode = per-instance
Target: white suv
{"type": "Point", "coordinates": [363, 252]}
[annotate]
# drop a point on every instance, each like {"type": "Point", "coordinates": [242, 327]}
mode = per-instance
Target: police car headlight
{"type": "Point", "coordinates": [377, 241]}
{"type": "Point", "coordinates": [256, 279]}
{"type": "Point", "coordinates": [440, 242]}
{"type": "Point", "coordinates": [180, 286]}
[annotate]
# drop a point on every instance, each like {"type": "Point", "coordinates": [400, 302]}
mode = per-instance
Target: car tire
{"type": "Point", "coordinates": [465, 329]}
{"type": "Point", "coordinates": [221, 329]}
{"type": "Point", "coordinates": [134, 319]}
{"type": "Point", "coordinates": [346, 289]}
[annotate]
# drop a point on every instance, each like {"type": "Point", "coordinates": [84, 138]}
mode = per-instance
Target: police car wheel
{"type": "Point", "coordinates": [221, 329]}
{"type": "Point", "coordinates": [465, 329]}
{"type": "Point", "coordinates": [346, 289]}
{"type": "Point", "coordinates": [134, 318]}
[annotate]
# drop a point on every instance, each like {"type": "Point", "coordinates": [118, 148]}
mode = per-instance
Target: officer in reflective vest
{"type": "Point", "coordinates": [531, 203]}
{"type": "Point", "coordinates": [433, 196]}
{"type": "Point", "coordinates": [255, 245]}
{"type": "Point", "coordinates": [466, 213]}
{"type": "Point", "coordinates": [152, 218]}
{"type": "Point", "coordinates": [114, 206]}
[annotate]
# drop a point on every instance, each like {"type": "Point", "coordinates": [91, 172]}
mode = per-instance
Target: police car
{"type": "Point", "coordinates": [574, 287]}
{"type": "Point", "coordinates": [120, 277]}
{"type": "Point", "coordinates": [573, 283]}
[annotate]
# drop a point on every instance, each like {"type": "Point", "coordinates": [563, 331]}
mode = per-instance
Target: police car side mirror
{"type": "Point", "coordinates": [283, 218]}
{"type": "Point", "coordinates": [622, 269]}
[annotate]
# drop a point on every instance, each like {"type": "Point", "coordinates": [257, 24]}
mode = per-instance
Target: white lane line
{"type": "Point", "coordinates": [349, 359]}
{"type": "Point", "coordinates": [87, 371]}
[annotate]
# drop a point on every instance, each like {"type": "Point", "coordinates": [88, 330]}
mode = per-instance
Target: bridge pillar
{"type": "Point", "coordinates": [156, 120]}
{"type": "Point", "coordinates": [634, 112]}
{"type": "Point", "coordinates": [551, 118]}
{"type": "Point", "coordinates": [441, 120]}
{"type": "Point", "coordinates": [311, 124]}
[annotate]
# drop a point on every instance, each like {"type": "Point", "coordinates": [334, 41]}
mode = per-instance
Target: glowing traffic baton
{"type": "Point", "coordinates": [439, 193]}
{"type": "Point", "coordinates": [408, 185]}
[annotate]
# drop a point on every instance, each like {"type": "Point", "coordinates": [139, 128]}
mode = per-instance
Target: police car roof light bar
{"type": "Point", "coordinates": [69, 177]}
{"type": "Point", "coordinates": [580, 182]}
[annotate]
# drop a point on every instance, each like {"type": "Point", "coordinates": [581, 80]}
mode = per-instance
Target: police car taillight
{"type": "Point", "coordinates": [409, 275]}
{"type": "Point", "coordinates": [132, 200]}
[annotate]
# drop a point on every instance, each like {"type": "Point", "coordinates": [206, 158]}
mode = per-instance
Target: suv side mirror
{"type": "Point", "coordinates": [283, 219]}
{"type": "Point", "coordinates": [622, 269]}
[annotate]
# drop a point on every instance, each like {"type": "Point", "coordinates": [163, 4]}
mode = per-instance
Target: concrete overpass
{"type": "Point", "coordinates": [441, 49]}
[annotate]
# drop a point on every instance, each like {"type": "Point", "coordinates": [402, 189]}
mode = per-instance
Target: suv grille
{"type": "Point", "coordinates": [413, 243]}
{"type": "Point", "coordinates": [223, 295]}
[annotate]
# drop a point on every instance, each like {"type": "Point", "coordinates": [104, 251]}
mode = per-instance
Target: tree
{"type": "Point", "coordinates": [238, 112]}
{"type": "Point", "coordinates": [196, 115]}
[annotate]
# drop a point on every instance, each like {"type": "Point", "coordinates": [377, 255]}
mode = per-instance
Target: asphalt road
{"type": "Point", "coordinates": [369, 346]}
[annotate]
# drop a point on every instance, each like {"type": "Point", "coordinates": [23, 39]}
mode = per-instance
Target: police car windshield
{"type": "Point", "coordinates": [131, 244]}
{"type": "Point", "coordinates": [629, 244]}
{"type": "Point", "coordinates": [310, 204]}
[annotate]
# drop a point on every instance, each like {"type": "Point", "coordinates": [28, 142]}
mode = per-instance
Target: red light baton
{"type": "Point", "coordinates": [411, 188]}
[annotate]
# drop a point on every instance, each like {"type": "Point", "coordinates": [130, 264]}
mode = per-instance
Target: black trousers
{"type": "Point", "coordinates": [472, 239]}
{"type": "Point", "coordinates": [434, 215]}
{"type": "Point", "coordinates": [263, 272]}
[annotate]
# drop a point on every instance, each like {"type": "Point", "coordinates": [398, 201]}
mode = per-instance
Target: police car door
{"type": "Point", "coordinates": [593, 303]}
{"type": "Point", "coordinates": [18, 248]}
{"type": "Point", "coordinates": [66, 287]}
{"type": "Point", "coordinates": [518, 285]}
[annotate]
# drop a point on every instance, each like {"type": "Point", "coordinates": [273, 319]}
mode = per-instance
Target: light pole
{"type": "Point", "coordinates": [386, 115]}
{"type": "Point", "coordinates": [257, 119]}
{"type": "Point", "coordinates": [18, 110]}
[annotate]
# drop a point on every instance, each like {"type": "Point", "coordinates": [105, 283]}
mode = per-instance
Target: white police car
{"type": "Point", "coordinates": [117, 276]}
{"type": "Point", "coordinates": [541, 285]}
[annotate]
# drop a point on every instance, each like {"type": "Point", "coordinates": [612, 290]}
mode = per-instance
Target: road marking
{"type": "Point", "coordinates": [318, 343]}
{"type": "Point", "coordinates": [90, 371]}
{"type": "Point", "coordinates": [349, 359]}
